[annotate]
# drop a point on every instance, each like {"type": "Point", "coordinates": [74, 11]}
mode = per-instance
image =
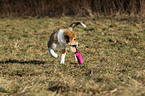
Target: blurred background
{"type": "Point", "coordinates": [51, 8]}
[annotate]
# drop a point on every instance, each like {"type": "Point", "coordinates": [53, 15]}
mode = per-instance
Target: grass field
{"type": "Point", "coordinates": [113, 50]}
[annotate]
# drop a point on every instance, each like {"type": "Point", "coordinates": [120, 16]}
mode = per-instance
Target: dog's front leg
{"type": "Point", "coordinates": [63, 53]}
{"type": "Point", "coordinates": [75, 57]}
{"type": "Point", "coordinates": [52, 53]}
{"type": "Point", "coordinates": [73, 49]}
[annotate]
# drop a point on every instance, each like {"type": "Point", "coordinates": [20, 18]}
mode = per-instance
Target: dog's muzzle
{"type": "Point", "coordinates": [74, 45]}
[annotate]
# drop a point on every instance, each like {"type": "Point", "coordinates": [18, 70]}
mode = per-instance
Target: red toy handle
{"type": "Point", "coordinates": [79, 57]}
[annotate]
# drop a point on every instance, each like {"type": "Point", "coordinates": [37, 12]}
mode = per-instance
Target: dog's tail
{"type": "Point", "coordinates": [74, 24]}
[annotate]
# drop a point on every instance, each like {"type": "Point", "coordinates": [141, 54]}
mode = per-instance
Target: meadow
{"type": "Point", "coordinates": [113, 50]}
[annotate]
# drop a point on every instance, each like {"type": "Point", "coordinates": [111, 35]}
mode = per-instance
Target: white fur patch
{"type": "Point", "coordinates": [60, 36]}
{"type": "Point", "coordinates": [54, 46]}
{"type": "Point", "coordinates": [61, 39]}
{"type": "Point", "coordinates": [83, 25]}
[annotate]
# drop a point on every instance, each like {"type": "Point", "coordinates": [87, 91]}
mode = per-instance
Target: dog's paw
{"type": "Point", "coordinates": [61, 62]}
{"type": "Point", "coordinates": [55, 55]}
{"type": "Point", "coordinates": [52, 53]}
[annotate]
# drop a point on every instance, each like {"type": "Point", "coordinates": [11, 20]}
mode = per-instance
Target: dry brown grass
{"type": "Point", "coordinates": [113, 51]}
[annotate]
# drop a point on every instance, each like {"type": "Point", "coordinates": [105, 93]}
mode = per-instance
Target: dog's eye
{"type": "Point", "coordinates": [74, 39]}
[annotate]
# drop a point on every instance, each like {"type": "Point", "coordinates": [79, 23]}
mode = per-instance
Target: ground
{"type": "Point", "coordinates": [113, 50]}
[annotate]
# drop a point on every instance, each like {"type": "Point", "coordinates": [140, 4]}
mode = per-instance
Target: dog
{"type": "Point", "coordinates": [61, 38]}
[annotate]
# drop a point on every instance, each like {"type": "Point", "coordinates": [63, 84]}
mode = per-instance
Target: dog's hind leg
{"type": "Point", "coordinates": [52, 53]}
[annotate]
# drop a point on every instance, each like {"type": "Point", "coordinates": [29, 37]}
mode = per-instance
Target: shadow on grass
{"type": "Point", "coordinates": [22, 61]}
{"type": "Point", "coordinates": [59, 87]}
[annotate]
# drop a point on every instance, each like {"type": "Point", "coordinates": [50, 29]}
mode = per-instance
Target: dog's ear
{"type": "Point", "coordinates": [66, 38]}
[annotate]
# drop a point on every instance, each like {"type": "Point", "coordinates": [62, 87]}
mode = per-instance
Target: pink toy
{"type": "Point", "coordinates": [79, 57]}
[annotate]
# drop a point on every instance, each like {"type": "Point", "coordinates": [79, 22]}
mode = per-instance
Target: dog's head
{"type": "Point", "coordinates": [70, 38]}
